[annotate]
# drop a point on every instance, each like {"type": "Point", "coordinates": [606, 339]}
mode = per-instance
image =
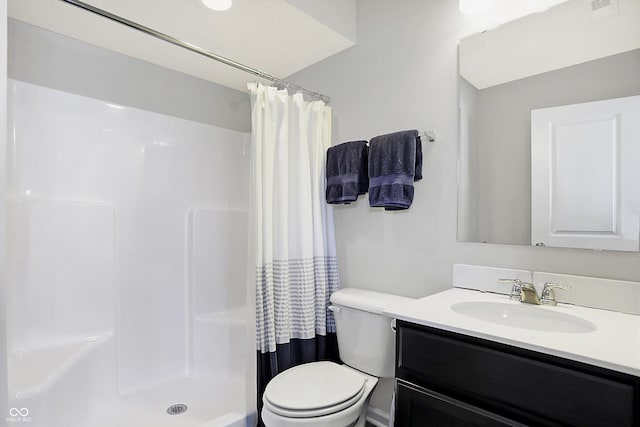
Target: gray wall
{"type": "Point", "coordinates": [503, 136]}
{"type": "Point", "coordinates": [403, 74]}
{"type": "Point", "coordinates": [49, 59]}
{"type": "Point", "coordinates": [4, 395]}
{"type": "Point", "coordinates": [468, 217]}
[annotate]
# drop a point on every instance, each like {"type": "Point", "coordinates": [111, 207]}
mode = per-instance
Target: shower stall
{"type": "Point", "coordinates": [128, 276]}
{"type": "Point", "coordinates": [126, 266]}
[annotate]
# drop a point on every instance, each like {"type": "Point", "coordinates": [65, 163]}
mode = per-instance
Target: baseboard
{"type": "Point", "coordinates": [377, 417]}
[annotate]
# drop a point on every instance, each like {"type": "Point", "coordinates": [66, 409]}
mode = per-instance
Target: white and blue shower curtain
{"type": "Point", "coordinates": [292, 231]}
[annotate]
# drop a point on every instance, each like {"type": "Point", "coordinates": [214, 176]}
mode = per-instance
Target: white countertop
{"type": "Point", "coordinates": [615, 343]}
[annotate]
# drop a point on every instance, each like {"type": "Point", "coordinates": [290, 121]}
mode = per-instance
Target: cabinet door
{"type": "Point", "coordinates": [534, 388]}
{"type": "Point", "coordinates": [420, 407]}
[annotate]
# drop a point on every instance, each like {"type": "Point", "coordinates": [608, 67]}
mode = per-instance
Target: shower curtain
{"type": "Point", "coordinates": [292, 232]}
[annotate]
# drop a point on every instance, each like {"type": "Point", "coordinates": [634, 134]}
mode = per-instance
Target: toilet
{"type": "Point", "coordinates": [326, 394]}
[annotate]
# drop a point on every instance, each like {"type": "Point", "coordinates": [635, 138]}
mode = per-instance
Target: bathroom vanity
{"type": "Point", "coordinates": [457, 368]}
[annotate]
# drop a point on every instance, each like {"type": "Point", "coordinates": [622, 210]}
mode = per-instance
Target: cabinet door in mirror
{"type": "Point", "coordinates": [584, 175]}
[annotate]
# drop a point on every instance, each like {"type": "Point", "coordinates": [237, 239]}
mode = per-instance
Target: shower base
{"type": "Point", "coordinates": [210, 403]}
{"type": "Point", "coordinates": [74, 384]}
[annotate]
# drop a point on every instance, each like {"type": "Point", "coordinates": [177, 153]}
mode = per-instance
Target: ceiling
{"type": "Point", "coordinates": [567, 34]}
{"type": "Point", "coordinates": [278, 37]}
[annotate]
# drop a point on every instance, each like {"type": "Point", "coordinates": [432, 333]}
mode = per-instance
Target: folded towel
{"type": "Point", "coordinates": [395, 162]}
{"type": "Point", "coordinates": [347, 175]}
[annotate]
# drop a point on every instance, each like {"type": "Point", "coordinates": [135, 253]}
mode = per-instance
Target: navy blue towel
{"type": "Point", "coordinates": [347, 175]}
{"type": "Point", "coordinates": [395, 162]}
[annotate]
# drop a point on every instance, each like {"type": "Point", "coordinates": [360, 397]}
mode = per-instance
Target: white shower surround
{"type": "Point", "coordinates": [126, 271]}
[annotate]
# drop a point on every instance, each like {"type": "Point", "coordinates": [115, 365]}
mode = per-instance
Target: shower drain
{"type": "Point", "coordinates": [177, 409]}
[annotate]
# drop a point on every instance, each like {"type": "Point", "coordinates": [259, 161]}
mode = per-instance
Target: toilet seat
{"type": "Point", "coordinates": [313, 390]}
{"type": "Point", "coordinates": [311, 413]}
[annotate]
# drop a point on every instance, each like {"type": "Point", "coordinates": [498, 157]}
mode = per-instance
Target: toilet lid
{"type": "Point", "coordinates": [314, 386]}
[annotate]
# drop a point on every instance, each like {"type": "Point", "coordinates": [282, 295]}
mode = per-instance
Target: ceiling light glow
{"type": "Point", "coordinates": [496, 12]}
{"type": "Point", "coordinates": [474, 7]}
{"type": "Point", "coordinates": [516, 8]}
{"type": "Point", "coordinates": [218, 5]}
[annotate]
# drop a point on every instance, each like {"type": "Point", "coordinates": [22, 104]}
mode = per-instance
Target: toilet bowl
{"type": "Point", "coordinates": [320, 394]}
{"type": "Point", "coordinates": [327, 394]}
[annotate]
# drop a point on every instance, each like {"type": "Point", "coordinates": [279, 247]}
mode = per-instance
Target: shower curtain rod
{"type": "Point", "coordinates": [196, 49]}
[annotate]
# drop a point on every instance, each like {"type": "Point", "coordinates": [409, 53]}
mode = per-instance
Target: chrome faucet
{"type": "Point", "coordinates": [548, 295]}
{"type": "Point", "coordinates": [526, 292]}
{"type": "Point", "coordinates": [515, 289]}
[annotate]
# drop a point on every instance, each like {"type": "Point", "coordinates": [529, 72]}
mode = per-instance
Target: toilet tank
{"type": "Point", "coordinates": [365, 338]}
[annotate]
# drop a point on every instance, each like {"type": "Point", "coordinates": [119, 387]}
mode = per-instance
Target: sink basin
{"type": "Point", "coordinates": [523, 316]}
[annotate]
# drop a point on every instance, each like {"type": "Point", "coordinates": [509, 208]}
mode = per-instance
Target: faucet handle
{"type": "Point", "coordinates": [548, 295]}
{"type": "Point", "coordinates": [515, 289]}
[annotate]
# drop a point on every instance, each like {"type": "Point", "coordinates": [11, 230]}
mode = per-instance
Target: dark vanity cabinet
{"type": "Point", "coordinates": [448, 379]}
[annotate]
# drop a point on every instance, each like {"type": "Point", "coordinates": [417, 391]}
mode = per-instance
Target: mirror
{"type": "Point", "coordinates": [574, 53]}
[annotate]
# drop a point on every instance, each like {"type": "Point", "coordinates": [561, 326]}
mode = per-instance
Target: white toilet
{"type": "Point", "coordinates": [325, 394]}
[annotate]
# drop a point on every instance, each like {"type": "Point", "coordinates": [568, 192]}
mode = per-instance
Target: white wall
{"type": "Point", "coordinates": [403, 74]}
{"type": "Point", "coordinates": [468, 193]}
{"type": "Point", "coordinates": [60, 261]}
